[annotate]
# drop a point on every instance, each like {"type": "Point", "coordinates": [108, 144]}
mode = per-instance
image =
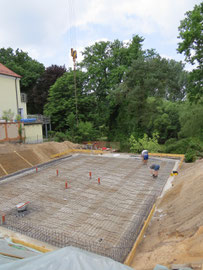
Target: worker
{"type": "Point", "coordinates": [155, 169]}
{"type": "Point", "coordinates": [144, 156]}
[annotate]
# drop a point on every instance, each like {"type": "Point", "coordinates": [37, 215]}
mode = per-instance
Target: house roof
{"type": "Point", "coordinates": [6, 71]}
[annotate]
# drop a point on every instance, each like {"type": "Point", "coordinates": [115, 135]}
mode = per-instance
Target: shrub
{"type": "Point", "coordinates": [60, 137]}
{"type": "Point", "coordinates": [151, 144]}
{"type": "Point", "coordinates": [190, 156]}
{"type": "Point", "coordinates": [182, 146]}
{"type": "Point", "coordinates": [8, 115]}
{"type": "Point", "coordinates": [85, 132]}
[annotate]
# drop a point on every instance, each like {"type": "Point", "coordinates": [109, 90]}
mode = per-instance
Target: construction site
{"type": "Point", "coordinates": [97, 201]}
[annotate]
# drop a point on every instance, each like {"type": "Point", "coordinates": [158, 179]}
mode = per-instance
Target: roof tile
{"type": "Point", "coordinates": [6, 71]}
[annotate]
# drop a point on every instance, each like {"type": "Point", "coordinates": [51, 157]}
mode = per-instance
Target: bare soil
{"type": "Point", "coordinates": [33, 153]}
{"type": "Point", "coordinates": [175, 234]}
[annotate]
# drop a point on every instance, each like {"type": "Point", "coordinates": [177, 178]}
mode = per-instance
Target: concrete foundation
{"type": "Point", "coordinates": [103, 218]}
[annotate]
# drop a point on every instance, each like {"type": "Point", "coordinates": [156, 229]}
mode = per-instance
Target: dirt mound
{"type": "Point", "coordinates": [14, 157]}
{"type": "Point", "coordinates": [175, 235]}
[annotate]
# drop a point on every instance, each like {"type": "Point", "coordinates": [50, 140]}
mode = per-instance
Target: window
{"type": "Point", "coordinates": [23, 97]}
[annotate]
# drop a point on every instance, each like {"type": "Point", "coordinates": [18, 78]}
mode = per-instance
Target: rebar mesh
{"type": "Point", "coordinates": [62, 239]}
{"type": "Point", "coordinates": [105, 219]}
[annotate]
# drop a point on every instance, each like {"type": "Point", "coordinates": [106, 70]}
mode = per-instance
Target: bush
{"type": "Point", "coordinates": [190, 156]}
{"type": "Point", "coordinates": [182, 146]}
{"type": "Point", "coordinates": [124, 146]}
{"type": "Point", "coordinates": [151, 144]}
{"type": "Point", "coordinates": [86, 132]}
{"type": "Point", "coordinates": [60, 137]}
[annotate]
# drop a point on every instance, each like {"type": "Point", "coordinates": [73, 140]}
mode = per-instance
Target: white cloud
{"type": "Point", "coordinates": [41, 27]}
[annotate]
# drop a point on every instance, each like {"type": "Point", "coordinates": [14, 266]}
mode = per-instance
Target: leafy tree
{"type": "Point", "coordinates": [61, 102]}
{"type": "Point", "coordinates": [163, 117]}
{"type": "Point", "coordinates": [85, 131]}
{"type": "Point", "coordinates": [191, 33]}
{"type": "Point", "coordinates": [150, 77]}
{"type": "Point", "coordinates": [191, 116]}
{"type": "Point", "coordinates": [41, 88]}
{"type": "Point", "coordinates": [19, 62]}
{"type": "Point", "coordinates": [106, 64]}
{"type": "Point", "coordinates": [176, 81]}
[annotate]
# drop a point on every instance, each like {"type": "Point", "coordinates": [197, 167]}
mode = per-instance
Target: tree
{"type": "Point", "coordinates": [191, 33]}
{"type": "Point", "coordinates": [61, 102]}
{"type": "Point", "coordinates": [41, 88]}
{"type": "Point", "coordinates": [191, 116]}
{"type": "Point", "coordinates": [24, 65]}
{"type": "Point", "coordinates": [162, 117]}
{"type": "Point", "coordinates": [147, 77]}
{"type": "Point", "coordinates": [106, 63]}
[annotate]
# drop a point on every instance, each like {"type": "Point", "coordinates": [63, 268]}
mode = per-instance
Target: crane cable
{"type": "Point", "coordinates": [73, 39]}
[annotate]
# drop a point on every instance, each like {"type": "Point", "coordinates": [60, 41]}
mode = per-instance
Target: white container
{"type": "Point", "coordinates": [22, 206]}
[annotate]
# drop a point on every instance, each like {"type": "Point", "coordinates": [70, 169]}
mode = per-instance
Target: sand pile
{"type": "Point", "coordinates": [33, 153]}
{"type": "Point", "coordinates": [175, 235]}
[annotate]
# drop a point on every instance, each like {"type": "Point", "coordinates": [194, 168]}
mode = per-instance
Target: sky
{"type": "Point", "coordinates": [48, 29]}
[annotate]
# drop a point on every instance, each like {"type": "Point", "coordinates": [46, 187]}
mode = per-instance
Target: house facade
{"type": "Point", "coordinates": [10, 95]}
{"type": "Point", "coordinates": [12, 99]}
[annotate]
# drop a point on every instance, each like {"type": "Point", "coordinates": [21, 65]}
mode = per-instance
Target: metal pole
{"type": "Point", "coordinates": [46, 130]}
{"type": "Point", "coordinates": [76, 100]}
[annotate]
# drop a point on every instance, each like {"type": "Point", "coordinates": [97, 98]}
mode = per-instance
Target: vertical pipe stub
{"type": "Point", "coordinates": [3, 219]}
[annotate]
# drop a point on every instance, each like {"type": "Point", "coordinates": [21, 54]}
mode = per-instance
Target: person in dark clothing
{"type": "Point", "coordinates": [155, 169]}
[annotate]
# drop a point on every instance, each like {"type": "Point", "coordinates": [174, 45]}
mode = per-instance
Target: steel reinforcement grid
{"type": "Point", "coordinates": [59, 239]}
{"type": "Point", "coordinates": [109, 229]}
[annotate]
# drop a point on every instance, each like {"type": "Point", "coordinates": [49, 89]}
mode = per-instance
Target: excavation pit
{"type": "Point", "coordinates": [104, 218]}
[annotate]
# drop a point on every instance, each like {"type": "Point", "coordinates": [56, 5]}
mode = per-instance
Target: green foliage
{"type": "Point", "coordinates": [7, 115]}
{"type": "Point", "coordinates": [18, 117]}
{"type": "Point", "coordinates": [20, 132]}
{"type": "Point", "coordinates": [139, 101]}
{"type": "Point", "coordinates": [85, 132]}
{"type": "Point", "coordinates": [60, 137]}
{"type": "Point", "coordinates": [106, 63]}
{"type": "Point", "coordinates": [30, 70]}
{"type": "Point", "coordinates": [190, 156]}
{"type": "Point", "coordinates": [163, 117]}
{"type": "Point", "coordinates": [151, 144]}
{"type": "Point", "coordinates": [39, 92]}
{"type": "Point", "coordinates": [121, 91]}
{"type": "Point", "coordinates": [183, 146]}
{"type": "Point", "coordinates": [191, 33]}
{"type": "Point", "coordinates": [191, 116]}
{"type": "Point", "coordinates": [61, 102]}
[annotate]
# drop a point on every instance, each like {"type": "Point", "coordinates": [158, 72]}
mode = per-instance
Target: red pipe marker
{"type": "Point", "coordinates": [3, 219]}
{"type": "Point", "coordinates": [98, 180]}
{"type": "Point", "coordinates": [90, 175]}
{"type": "Point", "coordinates": [66, 185]}
{"type": "Point", "coordinates": [57, 172]}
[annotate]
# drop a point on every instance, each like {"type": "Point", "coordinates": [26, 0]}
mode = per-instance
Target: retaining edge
{"type": "Point", "coordinates": [130, 256]}
{"type": "Point", "coordinates": [30, 245]}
